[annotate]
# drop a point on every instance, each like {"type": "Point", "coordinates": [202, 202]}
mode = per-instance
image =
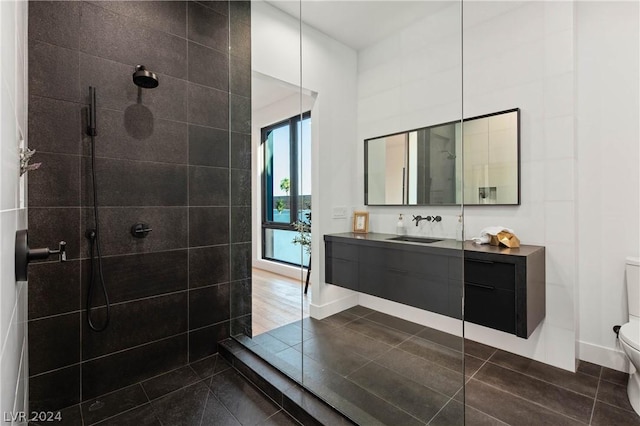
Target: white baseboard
{"type": "Point", "coordinates": [601, 355]}
{"type": "Point", "coordinates": [328, 309]}
{"type": "Point", "coordinates": [289, 271]}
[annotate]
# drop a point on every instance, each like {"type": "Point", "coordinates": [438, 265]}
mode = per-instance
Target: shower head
{"type": "Point", "coordinates": [144, 78]}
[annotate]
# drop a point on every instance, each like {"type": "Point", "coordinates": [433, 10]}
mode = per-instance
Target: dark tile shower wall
{"type": "Point", "coordinates": [176, 157]}
{"type": "Point", "coordinates": [240, 194]}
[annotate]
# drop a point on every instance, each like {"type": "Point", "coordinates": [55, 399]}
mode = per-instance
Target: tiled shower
{"type": "Point", "coordinates": [176, 158]}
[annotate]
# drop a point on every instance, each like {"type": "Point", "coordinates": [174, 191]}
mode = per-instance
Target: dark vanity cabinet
{"type": "Point", "coordinates": [416, 275]}
{"type": "Point", "coordinates": [341, 265]}
{"type": "Point", "coordinates": [504, 288]}
{"type": "Point", "coordinates": [411, 276]}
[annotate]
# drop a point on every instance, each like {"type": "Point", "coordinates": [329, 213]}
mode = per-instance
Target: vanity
{"type": "Point", "coordinates": [504, 288]}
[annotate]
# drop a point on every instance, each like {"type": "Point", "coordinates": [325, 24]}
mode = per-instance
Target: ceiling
{"type": "Point", "coordinates": [267, 90]}
{"type": "Point", "coordinates": [359, 23]}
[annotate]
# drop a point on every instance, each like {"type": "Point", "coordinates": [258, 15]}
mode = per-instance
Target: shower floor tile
{"type": "Point", "coordinates": [205, 393]}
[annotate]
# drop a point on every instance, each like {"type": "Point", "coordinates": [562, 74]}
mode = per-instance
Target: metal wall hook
{"type": "Point", "coordinates": [24, 254]}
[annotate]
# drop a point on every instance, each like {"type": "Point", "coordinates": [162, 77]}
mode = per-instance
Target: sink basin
{"type": "Point", "coordinates": [414, 239]}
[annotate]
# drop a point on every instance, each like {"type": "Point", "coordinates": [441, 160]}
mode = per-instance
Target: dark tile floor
{"type": "Point", "coordinates": [379, 369]}
{"type": "Point", "coordinates": [205, 393]}
{"type": "Point", "coordinates": [376, 369]}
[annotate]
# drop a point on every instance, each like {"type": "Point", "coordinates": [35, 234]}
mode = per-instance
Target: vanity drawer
{"type": "Point", "coordinates": [413, 290]}
{"type": "Point", "coordinates": [342, 251]}
{"type": "Point", "coordinates": [405, 287]}
{"type": "Point", "coordinates": [490, 306]}
{"type": "Point", "coordinates": [342, 272]}
{"type": "Point", "coordinates": [430, 266]}
{"type": "Point", "coordinates": [377, 256]}
{"type": "Point", "coordinates": [494, 274]}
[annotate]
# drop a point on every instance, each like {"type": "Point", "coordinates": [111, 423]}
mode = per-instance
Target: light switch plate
{"type": "Point", "coordinates": [339, 212]}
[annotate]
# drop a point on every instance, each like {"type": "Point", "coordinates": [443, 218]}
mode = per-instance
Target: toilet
{"type": "Point", "coordinates": [629, 335]}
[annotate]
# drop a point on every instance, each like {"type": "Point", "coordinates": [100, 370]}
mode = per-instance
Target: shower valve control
{"type": "Point", "coordinates": [24, 254]}
{"type": "Point", "coordinates": [140, 230]}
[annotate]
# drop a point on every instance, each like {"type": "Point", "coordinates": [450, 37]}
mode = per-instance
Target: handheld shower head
{"type": "Point", "coordinates": [144, 78]}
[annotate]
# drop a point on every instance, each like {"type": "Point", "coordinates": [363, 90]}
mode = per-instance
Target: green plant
{"type": "Point", "coordinates": [285, 185]}
{"type": "Point", "coordinates": [304, 232]}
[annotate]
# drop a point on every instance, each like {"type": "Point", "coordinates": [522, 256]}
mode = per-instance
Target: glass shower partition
{"type": "Point", "coordinates": [384, 340]}
{"type": "Point", "coordinates": [385, 344]}
{"type": "Point", "coordinates": [268, 307]}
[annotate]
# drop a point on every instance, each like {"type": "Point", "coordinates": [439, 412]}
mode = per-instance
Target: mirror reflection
{"type": "Point", "coordinates": [491, 159]}
{"type": "Point", "coordinates": [424, 166]}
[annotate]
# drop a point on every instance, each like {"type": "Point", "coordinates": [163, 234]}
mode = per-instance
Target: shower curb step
{"type": "Point", "coordinates": [301, 404]}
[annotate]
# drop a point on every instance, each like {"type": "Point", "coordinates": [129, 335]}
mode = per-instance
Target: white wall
{"type": "Point", "coordinates": [521, 55]}
{"type": "Point", "coordinates": [409, 80]}
{"type": "Point", "coordinates": [608, 135]}
{"type": "Point", "coordinates": [328, 70]}
{"type": "Point", "coordinates": [572, 68]}
{"type": "Point", "coordinates": [13, 126]}
{"type": "Point", "coordinates": [516, 54]}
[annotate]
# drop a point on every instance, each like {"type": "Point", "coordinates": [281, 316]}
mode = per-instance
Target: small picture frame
{"type": "Point", "coordinates": [360, 222]}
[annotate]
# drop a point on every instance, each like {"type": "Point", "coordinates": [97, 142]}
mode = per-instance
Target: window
{"type": "Point", "coordinates": [286, 186]}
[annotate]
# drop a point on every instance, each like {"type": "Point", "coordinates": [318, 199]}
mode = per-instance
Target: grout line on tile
{"type": "Point", "coordinates": [222, 404]}
{"type": "Point", "coordinates": [182, 333]}
{"type": "Point", "coordinates": [529, 401]}
{"type": "Point", "coordinates": [204, 408]}
{"type": "Point", "coordinates": [356, 370]}
{"type": "Point", "coordinates": [476, 372]}
{"type": "Point", "coordinates": [384, 327]}
{"type": "Point", "coordinates": [616, 406]}
{"type": "Point", "coordinates": [383, 399]}
{"type": "Point", "coordinates": [495, 351]}
{"type": "Point", "coordinates": [145, 391]}
{"type": "Point", "coordinates": [120, 413]}
{"type": "Point", "coordinates": [547, 382]}
{"type": "Point", "coordinates": [441, 365]}
{"type": "Point", "coordinates": [256, 387]}
{"type": "Point", "coordinates": [418, 383]}
{"type": "Point", "coordinates": [595, 397]}
{"type": "Point", "coordinates": [442, 408]}
{"type": "Point", "coordinates": [81, 413]}
{"type": "Point", "coordinates": [112, 109]}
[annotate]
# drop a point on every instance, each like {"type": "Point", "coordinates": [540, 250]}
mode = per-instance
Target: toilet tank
{"type": "Point", "coordinates": [633, 285]}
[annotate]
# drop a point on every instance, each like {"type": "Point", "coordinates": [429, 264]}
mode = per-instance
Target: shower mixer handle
{"type": "Point", "coordinates": [44, 253]}
{"type": "Point", "coordinates": [140, 230]}
{"type": "Point", "coordinates": [24, 254]}
{"type": "Point", "coordinates": [61, 252]}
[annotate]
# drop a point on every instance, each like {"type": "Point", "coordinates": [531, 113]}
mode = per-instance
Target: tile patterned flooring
{"type": "Point", "coordinates": [376, 369]}
{"type": "Point", "coordinates": [379, 369]}
{"type": "Point", "coordinates": [205, 393]}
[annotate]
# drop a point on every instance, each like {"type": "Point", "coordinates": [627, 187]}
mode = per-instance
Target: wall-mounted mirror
{"type": "Point", "coordinates": [425, 166]}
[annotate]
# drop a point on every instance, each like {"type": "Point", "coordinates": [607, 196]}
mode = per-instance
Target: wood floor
{"type": "Point", "coordinates": [277, 301]}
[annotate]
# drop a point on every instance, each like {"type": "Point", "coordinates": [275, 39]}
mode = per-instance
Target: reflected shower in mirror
{"type": "Point", "coordinates": [425, 166]}
{"type": "Point", "coordinates": [492, 159]}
